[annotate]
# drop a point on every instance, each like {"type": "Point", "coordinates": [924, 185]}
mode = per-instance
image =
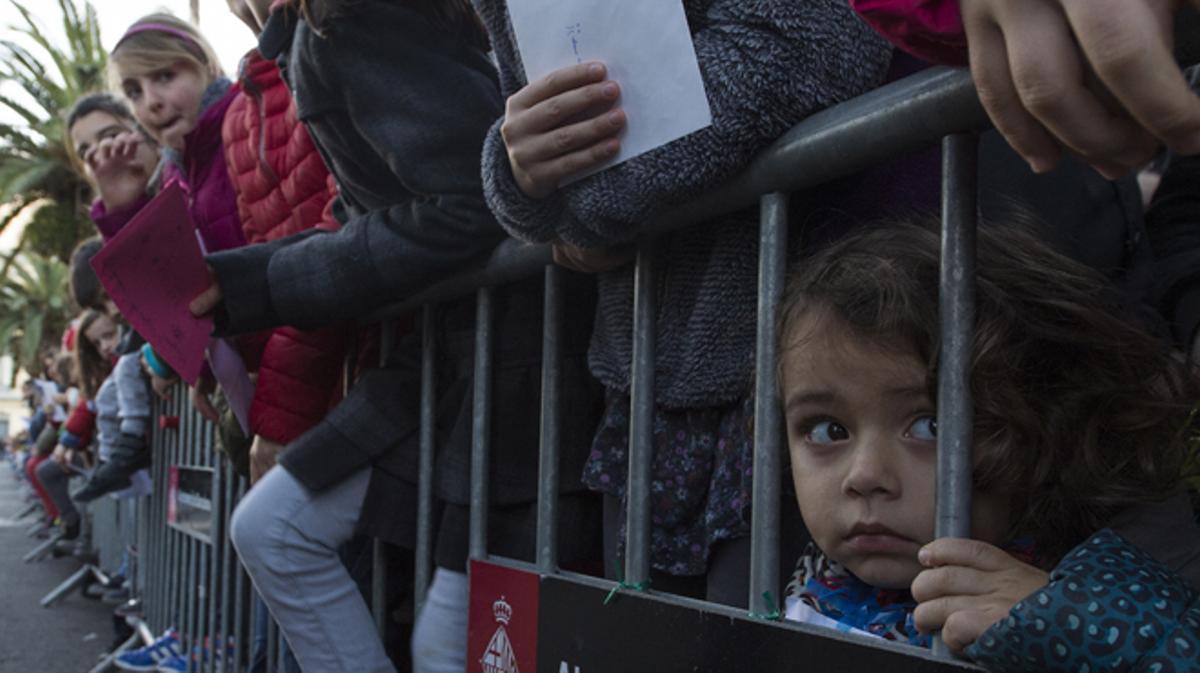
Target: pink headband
{"type": "Point", "coordinates": [158, 28]}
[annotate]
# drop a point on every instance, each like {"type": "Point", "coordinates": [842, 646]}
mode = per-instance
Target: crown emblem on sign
{"type": "Point", "coordinates": [502, 611]}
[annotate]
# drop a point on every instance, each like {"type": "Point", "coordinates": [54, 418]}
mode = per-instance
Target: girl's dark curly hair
{"type": "Point", "coordinates": [1078, 412]}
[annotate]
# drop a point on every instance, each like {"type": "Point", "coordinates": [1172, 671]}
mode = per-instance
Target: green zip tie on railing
{"type": "Point", "coordinates": [642, 586]}
{"type": "Point", "coordinates": [774, 615]}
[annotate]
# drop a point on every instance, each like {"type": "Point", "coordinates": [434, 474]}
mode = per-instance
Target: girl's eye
{"type": "Point", "coordinates": [827, 432]}
{"type": "Point", "coordinates": [164, 76]}
{"type": "Point", "coordinates": [132, 92]}
{"type": "Point", "coordinates": [924, 428]}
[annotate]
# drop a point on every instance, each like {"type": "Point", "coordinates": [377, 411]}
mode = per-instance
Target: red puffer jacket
{"type": "Point", "coordinates": [282, 188]}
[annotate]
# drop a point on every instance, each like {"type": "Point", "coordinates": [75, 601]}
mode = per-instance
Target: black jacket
{"type": "Point", "coordinates": [399, 108]}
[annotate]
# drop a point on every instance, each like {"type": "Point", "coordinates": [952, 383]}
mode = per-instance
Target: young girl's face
{"type": "Point", "coordinates": [94, 127]}
{"type": "Point", "coordinates": [863, 444]}
{"type": "Point", "coordinates": [166, 101]}
{"type": "Point", "coordinates": [104, 336]}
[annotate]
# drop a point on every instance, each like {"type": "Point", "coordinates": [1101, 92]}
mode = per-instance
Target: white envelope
{"type": "Point", "coordinates": [647, 48]}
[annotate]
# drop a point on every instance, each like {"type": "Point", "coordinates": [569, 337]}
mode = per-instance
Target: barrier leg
{"type": "Point", "coordinates": [42, 550]}
{"type": "Point", "coordinates": [75, 581]}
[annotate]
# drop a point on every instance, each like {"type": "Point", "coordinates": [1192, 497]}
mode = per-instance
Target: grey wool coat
{"type": "Point", "coordinates": [766, 65]}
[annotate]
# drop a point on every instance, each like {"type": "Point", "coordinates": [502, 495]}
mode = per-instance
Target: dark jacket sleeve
{"type": "Point", "coordinates": [1173, 225]}
{"type": "Point", "coordinates": [766, 65]}
{"type": "Point", "coordinates": [1109, 606]}
{"type": "Point", "coordinates": [426, 117]}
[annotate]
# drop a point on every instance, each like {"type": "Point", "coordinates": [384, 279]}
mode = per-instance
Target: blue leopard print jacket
{"type": "Point", "coordinates": [1109, 606]}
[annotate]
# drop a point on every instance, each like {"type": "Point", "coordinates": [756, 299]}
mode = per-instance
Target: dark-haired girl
{"type": "Point", "coordinates": [397, 98]}
{"type": "Point", "coordinates": [1079, 419]}
{"type": "Point", "coordinates": [106, 147]}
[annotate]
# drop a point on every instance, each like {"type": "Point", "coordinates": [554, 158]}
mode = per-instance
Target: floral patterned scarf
{"type": "Point", "coordinates": [828, 588]}
{"type": "Point", "coordinates": [825, 586]}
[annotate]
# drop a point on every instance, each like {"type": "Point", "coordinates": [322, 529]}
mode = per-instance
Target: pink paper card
{"type": "Point", "coordinates": [153, 269]}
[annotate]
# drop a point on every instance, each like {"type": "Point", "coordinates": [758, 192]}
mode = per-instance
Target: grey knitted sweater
{"type": "Point", "coordinates": [766, 65]}
{"type": "Point", "coordinates": [122, 404]}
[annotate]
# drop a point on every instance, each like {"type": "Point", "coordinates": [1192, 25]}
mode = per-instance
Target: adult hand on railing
{"type": "Point", "coordinates": [561, 125]}
{"type": "Point", "coordinates": [1094, 76]}
{"type": "Point", "coordinates": [263, 455]}
{"type": "Point", "coordinates": [968, 586]}
{"type": "Point", "coordinates": [593, 260]}
{"type": "Point", "coordinates": [120, 178]}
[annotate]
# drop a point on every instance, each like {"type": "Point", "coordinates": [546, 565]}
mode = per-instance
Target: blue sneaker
{"type": "Point", "coordinates": [173, 664]}
{"type": "Point", "coordinates": [149, 657]}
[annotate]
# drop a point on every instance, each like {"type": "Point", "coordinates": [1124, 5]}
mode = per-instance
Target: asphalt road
{"type": "Point", "coordinates": [65, 638]}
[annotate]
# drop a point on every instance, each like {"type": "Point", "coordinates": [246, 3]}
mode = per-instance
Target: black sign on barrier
{"type": "Point", "coordinates": [578, 633]}
{"type": "Point", "coordinates": [190, 501]}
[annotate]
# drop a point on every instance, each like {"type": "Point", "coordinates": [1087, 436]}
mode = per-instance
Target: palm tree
{"type": "Point", "coordinates": [35, 168]}
{"type": "Point", "coordinates": [33, 307]}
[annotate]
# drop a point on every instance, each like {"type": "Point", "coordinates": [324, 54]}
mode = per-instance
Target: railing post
{"type": "Point", "coordinates": [764, 523]}
{"type": "Point", "coordinates": [481, 423]}
{"type": "Point", "coordinates": [641, 416]}
{"type": "Point", "coordinates": [379, 555]}
{"type": "Point", "coordinates": [548, 458]}
{"type": "Point", "coordinates": [424, 552]}
{"type": "Point", "coordinates": [957, 317]}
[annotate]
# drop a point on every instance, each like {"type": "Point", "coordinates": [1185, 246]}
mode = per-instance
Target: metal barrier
{"type": "Point", "coordinates": [938, 104]}
{"type": "Point", "coordinates": [194, 583]}
{"type": "Point", "coordinates": [192, 578]}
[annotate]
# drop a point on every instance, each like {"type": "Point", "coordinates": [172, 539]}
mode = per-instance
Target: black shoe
{"type": "Point", "coordinates": [70, 529]}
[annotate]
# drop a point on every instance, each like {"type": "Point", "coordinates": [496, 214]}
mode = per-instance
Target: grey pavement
{"type": "Point", "coordinates": [65, 638]}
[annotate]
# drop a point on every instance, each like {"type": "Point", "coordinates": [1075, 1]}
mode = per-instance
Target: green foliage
{"type": "Point", "coordinates": [34, 161]}
{"type": "Point", "coordinates": [34, 308]}
{"type": "Point", "coordinates": [36, 175]}
{"type": "Point", "coordinates": [55, 229]}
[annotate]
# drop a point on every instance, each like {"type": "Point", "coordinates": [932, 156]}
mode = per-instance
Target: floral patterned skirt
{"type": "Point", "coordinates": [700, 492]}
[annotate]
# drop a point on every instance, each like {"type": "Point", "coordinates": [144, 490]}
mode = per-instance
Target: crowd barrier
{"type": "Point", "coordinates": [192, 579]}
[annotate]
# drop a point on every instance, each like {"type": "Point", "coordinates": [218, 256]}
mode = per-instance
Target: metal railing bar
{"type": "Point", "coordinates": [272, 639]}
{"type": "Point", "coordinates": [551, 421]}
{"type": "Point", "coordinates": [216, 566]}
{"type": "Point", "coordinates": [883, 124]}
{"type": "Point", "coordinates": [764, 512]}
{"type": "Point", "coordinates": [379, 563]}
{"type": "Point", "coordinates": [379, 552]}
{"type": "Point", "coordinates": [424, 546]}
{"type": "Point", "coordinates": [481, 424]}
{"type": "Point", "coordinates": [641, 415]}
{"type": "Point", "coordinates": [228, 567]}
{"type": "Point", "coordinates": [242, 602]}
{"type": "Point", "coordinates": [955, 417]}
